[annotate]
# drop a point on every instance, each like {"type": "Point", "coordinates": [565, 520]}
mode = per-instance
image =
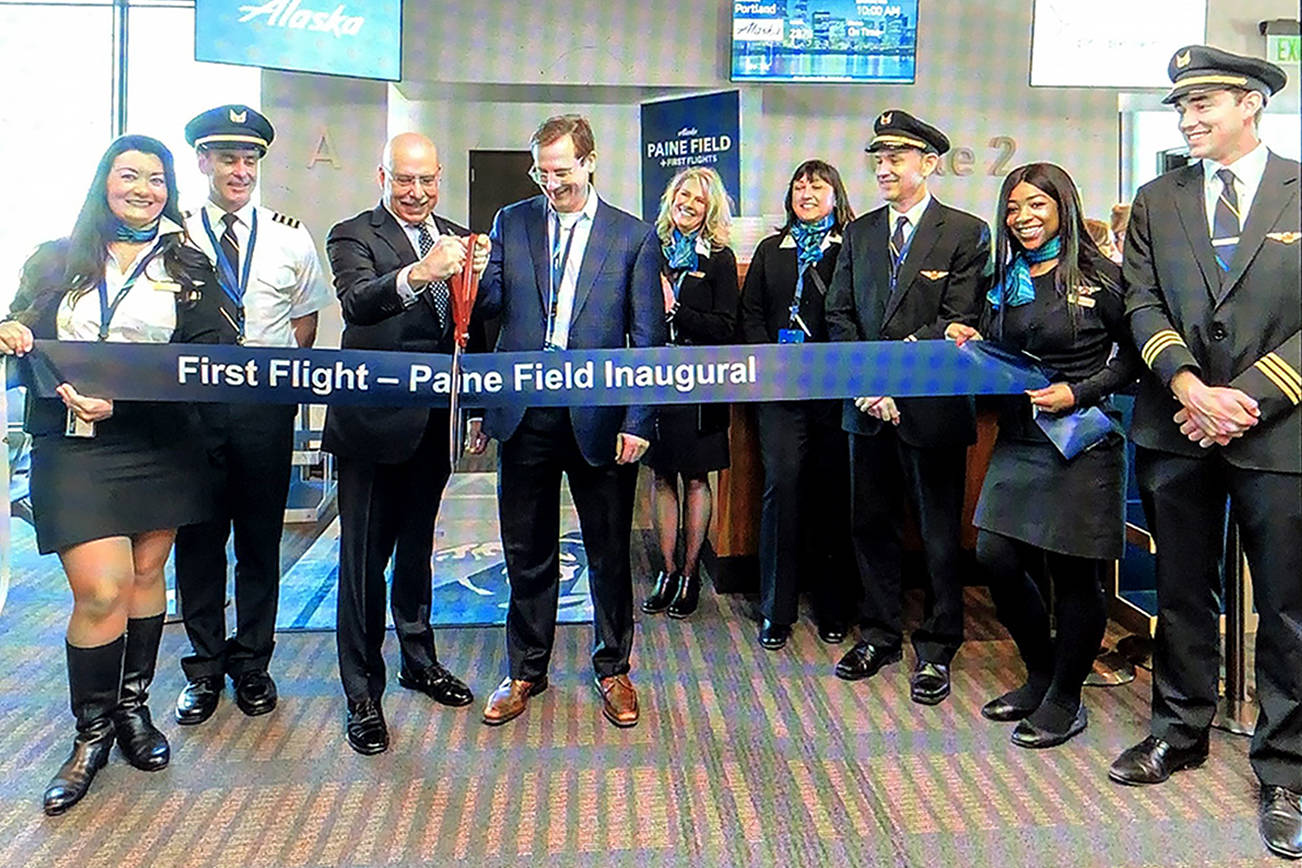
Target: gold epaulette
{"type": "Point", "coordinates": [1158, 342]}
{"type": "Point", "coordinates": [291, 222]}
{"type": "Point", "coordinates": [1282, 374]}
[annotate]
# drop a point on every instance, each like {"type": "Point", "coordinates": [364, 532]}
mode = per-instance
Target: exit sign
{"type": "Point", "coordinates": [1284, 48]}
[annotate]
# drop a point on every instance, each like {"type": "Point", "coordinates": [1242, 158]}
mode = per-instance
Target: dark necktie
{"type": "Point", "coordinates": [897, 247]}
{"type": "Point", "coordinates": [230, 245]}
{"type": "Point", "coordinates": [1226, 222]}
{"type": "Point", "coordinates": [438, 289]}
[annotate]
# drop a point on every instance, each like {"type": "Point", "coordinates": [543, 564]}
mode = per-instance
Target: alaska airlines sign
{"type": "Point", "coordinates": [357, 38]}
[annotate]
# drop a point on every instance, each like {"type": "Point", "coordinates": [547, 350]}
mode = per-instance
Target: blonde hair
{"type": "Point", "coordinates": [718, 213]}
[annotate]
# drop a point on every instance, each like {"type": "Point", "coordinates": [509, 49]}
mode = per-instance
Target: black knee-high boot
{"type": "Point", "coordinates": [141, 742]}
{"type": "Point", "coordinates": [94, 679]}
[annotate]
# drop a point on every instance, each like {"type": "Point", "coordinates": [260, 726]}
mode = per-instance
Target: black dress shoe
{"type": "Point", "coordinates": [930, 683]}
{"type": "Point", "coordinates": [864, 660]}
{"type": "Point", "coordinates": [198, 700]}
{"type": "Point", "coordinates": [662, 593]}
{"type": "Point", "coordinates": [685, 600]}
{"type": "Point", "coordinates": [832, 634]}
{"type": "Point", "coordinates": [438, 684]}
{"type": "Point", "coordinates": [367, 732]}
{"type": "Point", "coordinates": [1154, 760]}
{"type": "Point", "coordinates": [1279, 817]}
{"type": "Point", "coordinates": [255, 692]}
{"type": "Point", "coordinates": [1004, 709]}
{"type": "Point", "coordinates": [773, 636]}
{"type": "Point", "coordinates": [1027, 734]}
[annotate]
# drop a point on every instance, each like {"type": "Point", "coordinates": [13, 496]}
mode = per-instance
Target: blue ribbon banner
{"type": "Point", "coordinates": [655, 375]}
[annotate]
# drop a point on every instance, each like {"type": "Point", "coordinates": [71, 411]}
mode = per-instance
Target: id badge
{"type": "Point", "coordinates": [791, 336]}
{"type": "Point", "coordinates": [78, 427]}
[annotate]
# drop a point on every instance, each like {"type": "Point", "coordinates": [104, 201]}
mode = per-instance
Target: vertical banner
{"type": "Point", "coordinates": [690, 131]}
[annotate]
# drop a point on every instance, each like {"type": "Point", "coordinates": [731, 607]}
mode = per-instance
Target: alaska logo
{"type": "Point", "coordinates": [238, 117]}
{"type": "Point", "coordinates": [886, 119]}
{"type": "Point", "coordinates": [291, 15]}
{"type": "Point", "coordinates": [1182, 60]}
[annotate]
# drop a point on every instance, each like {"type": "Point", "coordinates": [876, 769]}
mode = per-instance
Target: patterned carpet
{"type": "Point", "coordinates": [743, 757]}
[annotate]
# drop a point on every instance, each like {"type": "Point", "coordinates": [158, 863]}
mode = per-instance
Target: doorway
{"type": "Point", "coordinates": [497, 178]}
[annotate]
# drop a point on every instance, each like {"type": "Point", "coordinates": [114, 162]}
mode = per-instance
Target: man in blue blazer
{"type": "Point", "coordinates": [568, 271]}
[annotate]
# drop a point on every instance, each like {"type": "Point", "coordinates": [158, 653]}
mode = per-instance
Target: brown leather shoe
{"type": "Point", "coordinates": [618, 700]}
{"type": "Point", "coordinates": [510, 699]}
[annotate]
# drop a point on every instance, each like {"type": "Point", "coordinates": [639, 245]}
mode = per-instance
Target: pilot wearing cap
{"type": "Point", "coordinates": [906, 271]}
{"type": "Point", "coordinates": [268, 268]}
{"type": "Point", "coordinates": [1211, 275]}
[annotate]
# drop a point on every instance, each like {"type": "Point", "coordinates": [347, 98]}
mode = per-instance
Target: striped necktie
{"type": "Point", "coordinates": [897, 247]}
{"type": "Point", "coordinates": [1226, 222]}
{"type": "Point", "coordinates": [230, 244]}
{"type": "Point", "coordinates": [439, 288]}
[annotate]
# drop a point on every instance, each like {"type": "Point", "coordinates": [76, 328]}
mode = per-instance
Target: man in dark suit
{"type": "Point", "coordinates": [567, 270]}
{"type": "Point", "coordinates": [906, 271]}
{"type": "Point", "coordinates": [1212, 291]}
{"type": "Point", "coordinates": [391, 266]}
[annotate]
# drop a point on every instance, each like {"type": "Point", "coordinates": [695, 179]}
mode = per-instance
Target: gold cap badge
{"type": "Point", "coordinates": [238, 117]}
{"type": "Point", "coordinates": [1182, 60]}
{"type": "Point", "coordinates": [886, 119]}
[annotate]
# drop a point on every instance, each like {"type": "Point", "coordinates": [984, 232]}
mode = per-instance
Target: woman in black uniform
{"type": "Point", "coordinates": [1046, 520]}
{"type": "Point", "coordinates": [699, 278]}
{"type": "Point", "coordinates": [805, 517]}
{"type": "Point", "coordinates": [111, 480]}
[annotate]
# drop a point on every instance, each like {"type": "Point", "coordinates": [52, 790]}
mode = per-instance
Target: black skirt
{"type": "Point", "coordinates": [679, 444]}
{"type": "Point", "coordinates": [145, 470]}
{"type": "Point", "coordinates": [1031, 493]}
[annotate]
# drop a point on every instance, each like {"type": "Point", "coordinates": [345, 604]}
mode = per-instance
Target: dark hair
{"type": "Point", "coordinates": [94, 229]}
{"type": "Point", "coordinates": [557, 126]}
{"type": "Point", "coordinates": [76, 263]}
{"type": "Point", "coordinates": [1080, 259]}
{"type": "Point", "coordinates": [842, 212]}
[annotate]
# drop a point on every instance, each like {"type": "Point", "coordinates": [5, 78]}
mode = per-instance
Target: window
{"type": "Point", "coordinates": [59, 123]}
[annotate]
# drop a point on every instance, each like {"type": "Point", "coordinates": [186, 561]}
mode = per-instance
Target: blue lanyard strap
{"type": "Point", "coordinates": [904, 252]}
{"type": "Point", "coordinates": [107, 310]}
{"type": "Point", "coordinates": [555, 273]}
{"type": "Point", "coordinates": [233, 288]}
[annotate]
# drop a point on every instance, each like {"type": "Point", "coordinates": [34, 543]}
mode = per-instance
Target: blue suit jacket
{"type": "Point", "coordinates": [617, 303]}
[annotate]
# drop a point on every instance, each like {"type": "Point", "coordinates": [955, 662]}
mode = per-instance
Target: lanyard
{"type": "Point", "coordinates": [107, 310]}
{"type": "Point", "coordinates": [555, 274]}
{"type": "Point", "coordinates": [233, 288]}
{"type": "Point", "coordinates": [904, 251]}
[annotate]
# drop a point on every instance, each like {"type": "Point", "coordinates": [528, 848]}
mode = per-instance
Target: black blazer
{"type": "Point", "coordinates": [366, 253]}
{"type": "Point", "coordinates": [1243, 331]}
{"type": "Point", "coordinates": [707, 301]}
{"type": "Point", "coordinates": [706, 315]}
{"type": "Point", "coordinates": [942, 280]}
{"type": "Point", "coordinates": [204, 315]}
{"type": "Point", "coordinates": [771, 285]}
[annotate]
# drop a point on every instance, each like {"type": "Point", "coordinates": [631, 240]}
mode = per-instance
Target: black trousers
{"type": "Point", "coordinates": [253, 444]}
{"type": "Point", "coordinates": [886, 473]}
{"type": "Point", "coordinates": [1185, 502]}
{"type": "Point", "coordinates": [388, 510]}
{"type": "Point", "coordinates": [530, 465]}
{"type": "Point", "coordinates": [805, 516]}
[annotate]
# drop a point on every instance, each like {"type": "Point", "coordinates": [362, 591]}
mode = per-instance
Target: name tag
{"type": "Point", "coordinates": [166, 286]}
{"type": "Point", "coordinates": [1079, 299]}
{"type": "Point", "coordinates": [696, 274]}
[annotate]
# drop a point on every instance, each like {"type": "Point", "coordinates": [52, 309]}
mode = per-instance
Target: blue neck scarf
{"type": "Point", "coordinates": [680, 251]}
{"type": "Point", "coordinates": [1017, 288]}
{"type": "Point", "coordinates": [123, 232]}
{"type": "Point", "coordinates": [809, 241]}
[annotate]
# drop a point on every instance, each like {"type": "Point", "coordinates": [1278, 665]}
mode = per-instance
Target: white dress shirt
{"type": "Point", "coordinates": [913, 215]}
{"type": "Point", "coordinates": [146, 314]}
{"type": "Point", "coordinates": [578, 223]}
{"type": "Point", "coordinates": [1247, 170]}
{"type": "Point", "coordinates": [285, 278]}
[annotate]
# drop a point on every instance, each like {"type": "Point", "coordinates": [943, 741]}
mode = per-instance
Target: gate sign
{"type": "Point", "coordinates": [690, 131]}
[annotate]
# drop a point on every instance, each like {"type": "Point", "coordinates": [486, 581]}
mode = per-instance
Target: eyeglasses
{"type": "Point", "coordinates": [561, 176]}
{"type": "Point", "coordinates": [402, 182]}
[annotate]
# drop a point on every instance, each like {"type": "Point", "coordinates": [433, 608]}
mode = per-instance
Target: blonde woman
{"type": "Point", "coordinates": [699, 277]}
